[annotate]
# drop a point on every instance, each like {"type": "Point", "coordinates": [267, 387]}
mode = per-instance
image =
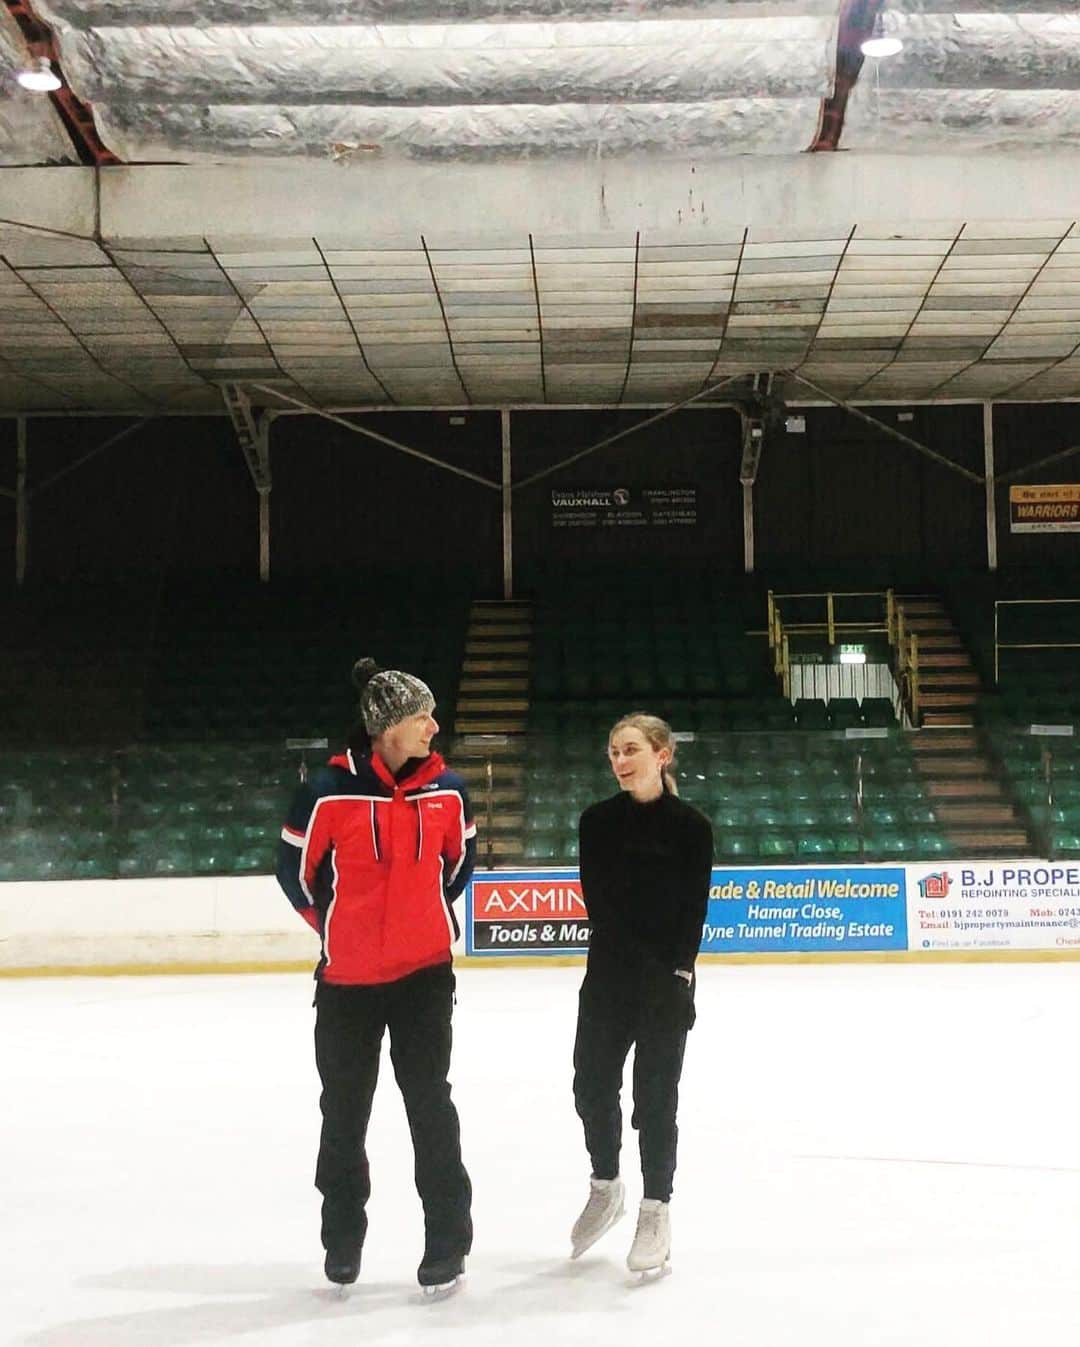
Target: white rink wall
{"type": "Point", "coordinates": [951, 909]}
{"type": "Point", "coordinates": [84, 924]}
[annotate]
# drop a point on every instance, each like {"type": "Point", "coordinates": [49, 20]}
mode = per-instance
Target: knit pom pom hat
{"type": "Point", "coordinates": [388, 696]}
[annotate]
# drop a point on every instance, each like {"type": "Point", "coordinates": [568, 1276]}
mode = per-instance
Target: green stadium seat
{"type": "Point", "coordinates": [730, 815]}
{"type": "Point", "coordinates": [734, 844]}
{"type": "Point", "coordinates": [541, 820]}
{"type": "Point", "coordinates": [816, 844]}
{"type": "Point", "coordinates": [541, 847]}
{"type": "Point", "coordinates": [253, 860]}
{"type": "Point", "coordinates": [844, 713]}
{"type": "Point", "coordinates": [877, 712]}
{"type": "Point", "coordinates": [812, 713]}
{"type": "Point", "coordinates": [883, 816]}
{"type": "Point", "coordinates": [772, 845]}
{"type": "Point", "coordinates": [889, 843]}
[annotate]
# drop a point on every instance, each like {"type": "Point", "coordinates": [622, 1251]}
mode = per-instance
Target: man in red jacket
{"type": "Point", "coordinates": [376, 847]}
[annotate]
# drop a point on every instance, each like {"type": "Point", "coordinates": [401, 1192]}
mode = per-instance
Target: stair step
{"type": "Point", "coordinates": [988, 814]}
{"type": "Point", "coordinates": [485, 647]}
{"type": "Point", "coordinates": [499, 607]}
{"type": "Point", "coordinates": [467, 705]}
{"type": "Point", "coordinates": [963, 790]}
{"type": "Point", "coordinates": [941, 741]}
{"type": "Point", "coordinates": [490, 724]}
{"type": "Point", "coordinates": [945, 659]}
{"type": "Point", "coordinates": [941, 641]}
{"type": "Point", "coordinates": [509, 848]}
{"type": "Point", "coordinates": [948, 720]}
{"type": "Point", "coordinates": [497, 666]}
{"type": "Point", "coordinates": [979, 842]}
{"type": "Point", "coordinates": [500, 630]}
{"type": "Point", "coordinates": [941, 766]}
{"type": "Point", "coordinates": [936, 699]}
{"type": "Point", "coordinates": [505, 775]}
{"type": "Point", "coordinates": [492, 684]}
{"type": "Point", "coordinates": [508, 799]}
{"type": "Point", "coordinates": [503, 822]}
{"type": "Point", "coordinates": [950, 678]}
{"type": "Point", "coordinates": [929, 624]}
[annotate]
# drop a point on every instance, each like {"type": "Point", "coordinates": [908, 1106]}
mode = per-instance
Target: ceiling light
{"type": "Point", "coordinates": [877, 44]}
{"type": "Point", "coordinates": [39, 77]}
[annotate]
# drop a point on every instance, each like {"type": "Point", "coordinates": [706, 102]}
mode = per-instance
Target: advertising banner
{"type": "Point", "coordinates": [526, 912]}
{"type": "Point", "coordinates": [787, 910]}
{"type": "Point", "coordinates": [1044, 509]}
{"type": "Point", "coordinates": [988, 905]}
{"type": "Point", "coordinates": [813, 909]}
{"type": "Point", "coordinates": [624, 507]}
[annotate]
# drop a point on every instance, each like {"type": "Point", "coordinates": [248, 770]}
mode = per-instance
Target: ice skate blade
{"type": "Point", "coordinates": [444, 1290]}
{"type": "Point", "coordinates": [340, 1290]}
{"type": "Point", "coordinates": [643, 1276]}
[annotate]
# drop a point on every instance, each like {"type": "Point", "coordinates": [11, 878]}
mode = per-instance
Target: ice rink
{"type": "Point", "coordinates": [869, 1155]}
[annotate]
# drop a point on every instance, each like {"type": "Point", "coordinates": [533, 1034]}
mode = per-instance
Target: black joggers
{"type": "Point", "coordinates": [349, 1028]}
{"type": "Point", "coordinates": [614, 1013]}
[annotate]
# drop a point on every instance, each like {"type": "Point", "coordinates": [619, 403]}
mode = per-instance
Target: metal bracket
{"type": "Point", "coordinates": [251, 432]}
{"type": "Point", "coordinates": [753, 441]}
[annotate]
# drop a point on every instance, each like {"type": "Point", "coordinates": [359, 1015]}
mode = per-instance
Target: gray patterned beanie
{"type": "Point", "coordinates": [388, 696]}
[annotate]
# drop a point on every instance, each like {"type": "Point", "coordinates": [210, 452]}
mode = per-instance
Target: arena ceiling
{"type": "Point", "coordinates": [452, 202]}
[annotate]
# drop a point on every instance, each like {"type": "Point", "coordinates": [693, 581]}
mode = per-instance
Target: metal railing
{"type": "Point", "coordinates": [1000, 645]}
{"type": "Point", "coordinates": [892, 624]}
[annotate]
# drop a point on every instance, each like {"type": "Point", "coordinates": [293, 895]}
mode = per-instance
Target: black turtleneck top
{"type": "Point", "coordinates": [645, 875]}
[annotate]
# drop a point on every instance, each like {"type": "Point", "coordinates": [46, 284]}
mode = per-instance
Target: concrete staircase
{"type": "Point", "coordinates": [967, 796]}
{"type": "Point", "coordinates": [491, 716]}
{"type": "Point", "coordinates": [958, 774]}
{"type": "Point", "coordinates": [948, 681]}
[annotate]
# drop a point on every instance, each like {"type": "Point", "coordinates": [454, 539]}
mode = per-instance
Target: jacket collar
{"type": "Point", "coordinates": [421, 770]}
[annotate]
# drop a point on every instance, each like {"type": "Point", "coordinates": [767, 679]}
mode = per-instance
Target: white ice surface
{"type": "Point", "coordinates": [869, 1155]}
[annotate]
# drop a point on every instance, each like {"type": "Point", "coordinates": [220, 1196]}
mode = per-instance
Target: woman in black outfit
{"type": "Point", "coordinates": [646, 865]}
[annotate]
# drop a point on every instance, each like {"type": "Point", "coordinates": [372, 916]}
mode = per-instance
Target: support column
{"type": "Point", "coordinates": [507, 510]}
{"type": "Point", "coordinates": [753, 441]}
{"type": "Point", "coordinates": [22, 503]}
{"type": "Point", "coordinates": [264, 535]}
{"type": "Point", "coordinates": [748, 526]}
{"type": "Point", "coordinates": [991, 498]}
{"type": "Point", "coordinates": [253, 436]}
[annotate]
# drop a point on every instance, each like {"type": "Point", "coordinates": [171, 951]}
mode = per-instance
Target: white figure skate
{"type": "Point", "coordinates": [650, 1253]}
{"type": "Point", "coordinates": [606, 1204]}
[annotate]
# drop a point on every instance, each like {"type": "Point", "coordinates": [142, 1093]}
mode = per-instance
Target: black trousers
{"type": "Point", "coordinates": [613, 1014]}
{"type": "Point", "coordinates": [349, 1028]}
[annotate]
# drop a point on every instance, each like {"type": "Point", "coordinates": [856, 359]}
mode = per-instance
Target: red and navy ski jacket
{"type": "Point", "coordinates": [374, 864]}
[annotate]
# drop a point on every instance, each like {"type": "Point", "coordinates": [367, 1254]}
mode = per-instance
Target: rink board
{"type": "Point", "coordinates": [962, 909]}
{"type": "Point", "coordinates": [961, 906]}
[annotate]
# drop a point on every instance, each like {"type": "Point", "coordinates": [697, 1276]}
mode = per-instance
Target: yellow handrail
{"type": "Point", "coordinates": [905, 642]}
